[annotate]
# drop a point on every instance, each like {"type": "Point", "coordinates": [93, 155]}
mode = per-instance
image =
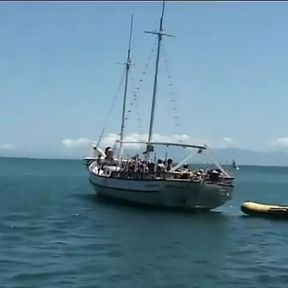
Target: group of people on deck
{"type": "Point", "coordinates": [162, 169]}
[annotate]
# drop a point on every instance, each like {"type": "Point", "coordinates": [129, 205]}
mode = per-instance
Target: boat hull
{"type": "Point", "coordinates": [162, 193]}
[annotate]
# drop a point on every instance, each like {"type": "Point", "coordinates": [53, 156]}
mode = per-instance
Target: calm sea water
{"type": "Point", "coordinates": [55, 233]}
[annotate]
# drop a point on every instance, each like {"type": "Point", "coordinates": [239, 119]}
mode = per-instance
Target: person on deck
{"type": "Point", "coordinates": [109, 154]}
{"type": "Point", "coordinates": [169, 165]}
{"type": "Point", "coordinates": [160, 168]}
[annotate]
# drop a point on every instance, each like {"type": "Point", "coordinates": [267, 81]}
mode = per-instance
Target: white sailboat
{"type": "Point", "coordinates": [146, 181]}
{"type": "Point", "coordinates": [234, 165]}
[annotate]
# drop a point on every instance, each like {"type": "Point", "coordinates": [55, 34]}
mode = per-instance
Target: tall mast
{"type": "Point", "coordinates": [160, 33]}
{"type": "Point", "coordinates": [127, 65]}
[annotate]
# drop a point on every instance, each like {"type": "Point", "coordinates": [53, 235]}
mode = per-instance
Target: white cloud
{"type": "Point", "coordinates": [77, 143]}
{"type": "Point", "coordinates": [228, 139]}
{"type": "Point", "coordinates": [157, 137]}
{"type": "Point", "coordinates": [226, 142]}
{"type": "Point", "coordinates": [281, 142]}
{"type": "Point", "coordinates": [6, 146]}
{"type": "Point", "coordinates": [110, 139]}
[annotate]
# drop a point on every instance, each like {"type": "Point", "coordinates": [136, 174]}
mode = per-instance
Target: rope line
{"type": "Point", "coordinates": [111, 108]}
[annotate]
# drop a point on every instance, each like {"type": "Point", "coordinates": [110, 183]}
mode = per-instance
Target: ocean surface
{"type": "Point", "coordinates": [54, 232]}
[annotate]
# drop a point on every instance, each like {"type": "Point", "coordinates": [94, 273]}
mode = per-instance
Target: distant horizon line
{"type": "Point", "coordinates": [79, 159]}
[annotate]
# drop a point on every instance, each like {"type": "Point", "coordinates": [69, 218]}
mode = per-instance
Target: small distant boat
{"type": "Point", "coordinates": [264, 210]}
{"type": "Point", "coordinates": [88, 160]}
{"type": "Point", "coordinates": [234, 165]}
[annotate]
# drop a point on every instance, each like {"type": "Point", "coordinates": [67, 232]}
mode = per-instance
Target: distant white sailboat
{"type": "Point", "coordinates": [234, 165]}
{"type": "Point", "coordinates": [146, 181]}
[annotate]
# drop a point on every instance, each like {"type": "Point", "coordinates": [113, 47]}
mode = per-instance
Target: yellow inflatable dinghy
{"type": "Point", "coordinates": [264, 210]}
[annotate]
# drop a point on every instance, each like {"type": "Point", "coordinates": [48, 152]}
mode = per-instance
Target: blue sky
{"type": "Point", "coordinates": [228, 66]}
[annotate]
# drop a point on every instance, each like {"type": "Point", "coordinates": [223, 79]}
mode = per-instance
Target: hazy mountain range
{"type": "Point", "coordinates": [249, 157]}
{"type": "Point", "coordinates": [242, 157]}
